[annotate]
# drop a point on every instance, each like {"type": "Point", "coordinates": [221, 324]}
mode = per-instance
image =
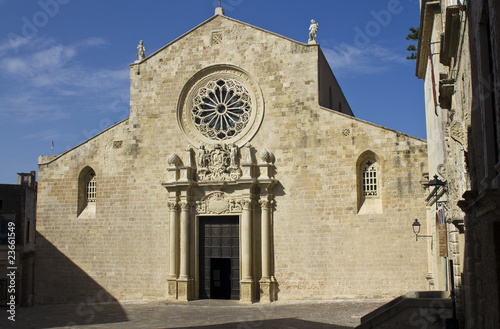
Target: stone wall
{"type": "Point", "coordinates": [481, 202]}
{"type": "Point", "coordinates": [322, 247]}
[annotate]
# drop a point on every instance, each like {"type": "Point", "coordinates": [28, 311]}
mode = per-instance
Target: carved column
{"type": "Point", "coordinates": [174, 246]}
{"type": "Point", "coordinates": [183, 282]}
{"type": "Point", "coordinates": [267, 280]}
{"type": "Point", "coordinates": [266, 243]}
{"type": "Point", "coordinates": [246, 284]}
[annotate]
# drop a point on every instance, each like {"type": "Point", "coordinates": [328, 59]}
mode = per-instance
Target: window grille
{"type": "Point", "coordinates": [91, 188]}
{"type": "Point", "coordinates": [370, 184]}
{"type": "Point", "coordinates": [222, 109]}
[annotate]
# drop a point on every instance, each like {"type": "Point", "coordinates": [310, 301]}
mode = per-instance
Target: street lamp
{"type": "Point", "coordinates": [416, 229]}
{"type": "Point", "coordinates": [436, 183]}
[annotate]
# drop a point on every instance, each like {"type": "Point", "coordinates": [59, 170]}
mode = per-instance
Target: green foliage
{"type": "Point", "coordinates": [413, 36]}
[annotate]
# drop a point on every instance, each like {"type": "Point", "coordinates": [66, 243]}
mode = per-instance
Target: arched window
{"type": "Point", "coordinates": [369, 174]}
{"type": "Point", "coordinates": [91, 187]}
{"type": "Point", "coordinates": [369, 185]}
{"type": "Point", "coordinates": [87, 193]}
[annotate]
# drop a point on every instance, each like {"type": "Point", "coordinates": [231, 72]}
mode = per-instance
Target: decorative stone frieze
{"type": "Point", "coordinates": [216, 203]}
{"type": "Point", "coordinates": [219, 203]}
{"type": "Point", "coordinates": [221, 163]}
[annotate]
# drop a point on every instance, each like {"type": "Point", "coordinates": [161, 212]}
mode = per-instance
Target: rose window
{"type": "Point", "coordinates": [221, 109]}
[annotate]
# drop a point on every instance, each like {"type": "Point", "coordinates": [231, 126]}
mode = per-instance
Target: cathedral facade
{"type": "Point", "coordinates": [241, 173]}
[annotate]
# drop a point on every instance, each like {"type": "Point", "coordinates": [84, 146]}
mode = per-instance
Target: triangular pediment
{"type": "Point", "coordinates": [236, 23]}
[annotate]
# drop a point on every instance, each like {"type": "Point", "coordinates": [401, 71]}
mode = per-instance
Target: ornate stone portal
{"type": "Point", "coordinates": [212, 182]}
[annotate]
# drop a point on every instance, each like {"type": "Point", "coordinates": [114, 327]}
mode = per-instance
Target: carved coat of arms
{"type": "Point", "coordinates": [219, 163]}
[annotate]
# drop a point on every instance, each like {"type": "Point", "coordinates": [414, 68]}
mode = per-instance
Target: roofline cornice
{"type": "Point", "coordinates": [371, 124]}
{"type": "Point", "coordinates": [51, 158]}
{"type": "Point", "coordinates": [427, 14]}
{"type": "Point", "coordinates": [224, 17]}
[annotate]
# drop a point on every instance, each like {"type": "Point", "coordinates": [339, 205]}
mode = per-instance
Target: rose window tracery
{"type": "Point", "coordinates": [222, 109]}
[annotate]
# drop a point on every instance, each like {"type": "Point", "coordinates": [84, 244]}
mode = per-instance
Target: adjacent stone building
{"type": "Point", "coordinates": [241, 173]}
{"type": "Point", "coordinates": [17, 240]}
{"type": "Point", "coordinates": [443, 62]}
{"type": "Point", "coordinates": [459, 59]}
{"type": "Point", "coordinates": [482, 201]}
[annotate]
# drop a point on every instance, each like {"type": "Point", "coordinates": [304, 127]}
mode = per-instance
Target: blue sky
{"type": "Point", "coordinates": [65, 63]}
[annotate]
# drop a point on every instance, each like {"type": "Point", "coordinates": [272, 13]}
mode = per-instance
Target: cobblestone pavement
{"type": "Point", "coordinates": [202, 314]}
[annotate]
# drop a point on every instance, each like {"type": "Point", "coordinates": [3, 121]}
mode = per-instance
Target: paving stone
{"type": "Point", "coordinates": [225, 314]}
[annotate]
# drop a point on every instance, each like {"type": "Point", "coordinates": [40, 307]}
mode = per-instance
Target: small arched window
{"type": "Point", "coordinates": [87, 193]}
{"type": "Point", "coordinates": [91, 187]}
{"type": "Point", "coordinates": [370, 182]}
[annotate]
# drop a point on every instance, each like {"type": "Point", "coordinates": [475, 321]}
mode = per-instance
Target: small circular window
{"type": "Point", "coordinates": [220, 104]}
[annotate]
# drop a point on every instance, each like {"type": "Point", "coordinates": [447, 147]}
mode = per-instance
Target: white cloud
{"type": "Point", "coordinates": [12, 44]}
{"type": "Point", "coordinates": [349, 59]}
{"type": "Point", "coordinates": [49, 81]}
{"type": "Point", "coordinates": [49, 58]}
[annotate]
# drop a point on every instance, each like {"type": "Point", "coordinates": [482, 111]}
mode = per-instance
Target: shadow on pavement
{"type": "Point", "coordinates": [271, 324]}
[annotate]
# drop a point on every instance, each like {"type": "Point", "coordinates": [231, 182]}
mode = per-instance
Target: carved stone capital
{"type": "Point", "coordinates": [173, 205]}
{"type": "Point", "coordinates": [266, 203]}
{"type": "Point", "coordinates": [247, 204]}
{"type": "Point", "coordinates": [185, 205]}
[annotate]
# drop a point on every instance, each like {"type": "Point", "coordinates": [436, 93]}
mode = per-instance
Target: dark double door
{"type": "Point", "coordinates": [219, 257]}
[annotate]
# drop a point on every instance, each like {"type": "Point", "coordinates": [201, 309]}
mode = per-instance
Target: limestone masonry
{"type": "Point", "coordinates": [241, 173]}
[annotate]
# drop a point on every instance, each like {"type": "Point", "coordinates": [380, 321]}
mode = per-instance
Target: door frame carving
{"type": "Point", "coordinates": [249, 196]}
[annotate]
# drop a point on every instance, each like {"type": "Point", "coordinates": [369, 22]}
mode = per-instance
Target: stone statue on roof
{"type": "Point", "coordinates": [141, 49]}
{"type": "Point", "coordinates": [313, 29]}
